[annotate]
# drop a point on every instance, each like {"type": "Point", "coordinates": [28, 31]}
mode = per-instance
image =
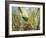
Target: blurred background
{"type": "Point", "coordinates": [25, 18]}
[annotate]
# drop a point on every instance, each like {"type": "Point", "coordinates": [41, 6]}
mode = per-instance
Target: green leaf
{"type": "Point", "coordinates": [25, 18]}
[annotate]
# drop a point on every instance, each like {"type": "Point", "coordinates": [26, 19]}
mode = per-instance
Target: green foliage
{"type": "Point", "coordinates": [20, 22]}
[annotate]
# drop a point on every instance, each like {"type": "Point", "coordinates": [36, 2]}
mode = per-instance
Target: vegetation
{"type": "Point", "coordinates": [25, 18]}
